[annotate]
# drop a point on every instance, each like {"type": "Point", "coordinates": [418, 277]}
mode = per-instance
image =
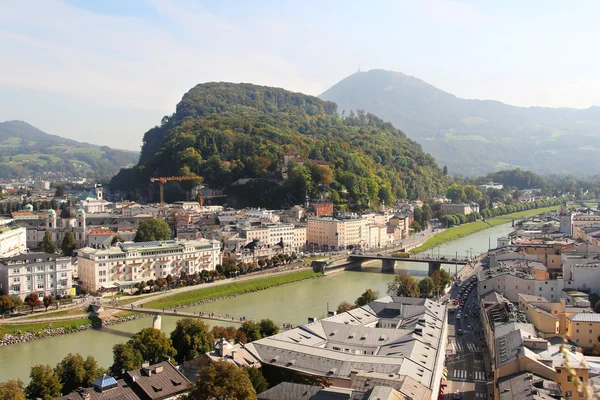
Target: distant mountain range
{"type": "Point", "coordinates": [27, 151]}
{"type": "Point", "coordinates": [474, 137]}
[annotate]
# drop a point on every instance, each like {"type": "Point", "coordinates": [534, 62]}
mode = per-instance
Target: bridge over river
{"type": "Point", "coordinates": [176, 312]}
{"type": "Point", "coordinates": [388, 262]}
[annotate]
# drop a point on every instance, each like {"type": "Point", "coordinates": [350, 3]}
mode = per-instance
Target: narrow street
{"type": "Point", "coordinates": [464, 354]}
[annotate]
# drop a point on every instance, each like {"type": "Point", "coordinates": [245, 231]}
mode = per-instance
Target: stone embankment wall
{"type": "Point", "coordinates": [24, 337]}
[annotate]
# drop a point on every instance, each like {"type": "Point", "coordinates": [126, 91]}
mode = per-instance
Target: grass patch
{"type": "Point", "coordinates": [63, 313]}
{"type": "Point", "coordinates": [457, 232]}
{"type": "Point", "coordinates": [10, 329]}
{"type": "Point", "coordinates": [229, 289]}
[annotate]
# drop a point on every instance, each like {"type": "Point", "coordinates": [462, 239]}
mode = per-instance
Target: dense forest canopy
{"type": "Point", "coordinates": [225, 132]}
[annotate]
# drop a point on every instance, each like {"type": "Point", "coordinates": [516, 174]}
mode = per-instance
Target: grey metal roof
{"type": "Point", "coordinates": [158, 384]}
{"type": "Point", "coordinates": [585, 317]}
{"type": "Point", "coordinates": [335, 346]}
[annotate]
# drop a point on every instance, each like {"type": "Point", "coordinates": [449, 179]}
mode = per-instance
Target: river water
{"type": "Point", "coordinates": [291, 303]}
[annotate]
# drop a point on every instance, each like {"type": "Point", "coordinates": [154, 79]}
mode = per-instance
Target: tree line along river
{"type": "Point", "coordinates": [292, 303]}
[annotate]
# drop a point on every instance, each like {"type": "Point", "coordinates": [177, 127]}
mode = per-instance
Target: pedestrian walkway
{"type": "Point", "coordinates": [459, 375]}
{"type": "Point", "coordinates": [480, 376]}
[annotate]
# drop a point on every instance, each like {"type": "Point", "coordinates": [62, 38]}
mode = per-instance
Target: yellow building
{"type": "Point", "coordinates": [583, 329]}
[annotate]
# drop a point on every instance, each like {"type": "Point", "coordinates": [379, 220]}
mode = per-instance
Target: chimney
{"type": "Point", "coordinates": [158, 369]}
{"type": "Point", "coordinates": [145, 364]}
{"type": "Point", "coordinates": [233, 352]}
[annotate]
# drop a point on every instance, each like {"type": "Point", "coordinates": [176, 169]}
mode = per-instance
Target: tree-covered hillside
{"type": "Point", "coordinates": [26, 151]}
{"type": "Point", "coordinates": [224, 132]}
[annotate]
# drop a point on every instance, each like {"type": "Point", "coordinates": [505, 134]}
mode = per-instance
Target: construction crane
{"type": "Point", "coordinates": [163, 179]}
{"type": "Point", "coordinates": [201, 199]}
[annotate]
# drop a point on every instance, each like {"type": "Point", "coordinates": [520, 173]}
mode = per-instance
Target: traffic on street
{"type": "Point", "coordinates": [466, 375]}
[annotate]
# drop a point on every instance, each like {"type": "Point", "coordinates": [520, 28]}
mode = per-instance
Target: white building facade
{"type": "Point", "coordinates": [122, 266]}
{"type": "Point", "coordinates": [40, 273]}
{"type": "Point", "coordinates": [13, 241]}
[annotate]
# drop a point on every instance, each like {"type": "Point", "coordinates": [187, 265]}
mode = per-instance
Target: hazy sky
{"type": "Point", "coordinates": [106, 71]}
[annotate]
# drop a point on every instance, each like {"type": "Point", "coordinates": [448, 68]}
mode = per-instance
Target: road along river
{"type": "Point", "coordinates": [292, 303]}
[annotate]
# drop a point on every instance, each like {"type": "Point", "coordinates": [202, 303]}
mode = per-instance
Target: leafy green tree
{"type": "Point", "coordinates": [368, 296]}
{"type": "Point", "coordinates": [222, 380]}
{"type": "Point", "coordinates": [344, 306]}
{"type": "Point", "coordinates": [59, 191]}
{"type": "Point", "coordinates": [403, 285]}
{"type": "Point", "coordinates": [441, 279]}
{"type": "Point", "coordinates": [152, 229]}
{"type": "Point", "coordinates": [74, 371]}
{"type": "Point", "coordinates": [44, 384]}
{"type": "Point", "coordinates": [472, 194]}
{"type": "Point", "coordinates": [17, 301]}
{"type": "Point", "coordinates": [33, 300]}
{"type": "Point", "coordinates": [48, 244]}
{"type": "Point", "coordinates": [268, 327]}
{"type": "Point", "coordinates": [456, 193]}
{"type": "Point", "coordinates": [12, 390]}
{"type": "Point", "coordinates": [191, 338]}
{"type": "Point", "coordinates": [116, 239]}
{"type": "Point", "coordinates": [125, 358]}
{"type": "Point", "coordinates": [153, 345]}
{"type": "Point", "coordinates": [68, 244]}
{"type": "Point", "coordinates": [48, 301]}
{"type": "Point", "coordinates": [426, 287]}
{"type": "Point", "coordinates": [259, 383]}
{"type": "Point", "coordinates": [252, 330]}
{"type": "Point", "coordinates": [6, 303]}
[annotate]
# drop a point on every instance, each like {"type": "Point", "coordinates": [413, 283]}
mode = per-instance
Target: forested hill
{"type": "Point", "coordinates": [26, 151]}
{"type": "Point", "coordinates": [225, 131]}
{"type": "Point", "coordinates": [475, 137]}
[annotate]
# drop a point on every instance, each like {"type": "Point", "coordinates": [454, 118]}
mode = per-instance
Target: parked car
{"type": "Point", "coordinates": [460, 331]}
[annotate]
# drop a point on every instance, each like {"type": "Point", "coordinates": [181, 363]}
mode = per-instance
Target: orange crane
{"type": "Point", "coordinates": [163, 179]}
{"type": "Point", "coordinates": [201, 199]}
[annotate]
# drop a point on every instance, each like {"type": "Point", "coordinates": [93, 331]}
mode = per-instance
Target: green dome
{"type": "Point", "coordinates": [51, 211]}
{"type": "Point", "coordinates": [80, 211]}
{"type": "Point", "coordinates": [28, 207]}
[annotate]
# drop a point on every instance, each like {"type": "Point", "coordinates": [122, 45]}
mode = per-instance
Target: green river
{"type": "Point", "coordinates": [292, 304]}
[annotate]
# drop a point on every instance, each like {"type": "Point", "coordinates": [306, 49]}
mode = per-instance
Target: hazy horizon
{"type": "Point", "coordinates": [106, 72]}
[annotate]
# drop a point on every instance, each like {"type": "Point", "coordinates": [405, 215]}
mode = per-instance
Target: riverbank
{"type": "Point", "coordinates": [13, 334]}
{"type": "Point", "coordinates": [232, 289]}
{"type": "Point", "coordinates": [457, 232]}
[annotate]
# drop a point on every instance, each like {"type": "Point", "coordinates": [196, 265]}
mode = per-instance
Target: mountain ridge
{"type": "Point", "coordinates": [27, 151]}
{"type": "Point", "coordinates": [533, 138]}
{"type": "Point", "coordinates": [227, 132]}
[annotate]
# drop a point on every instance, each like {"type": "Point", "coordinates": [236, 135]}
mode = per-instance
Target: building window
{"type": "Point", "coordinates": [577, 331]}
{"type": "Point", "coordinates": [569, 378]}
{"type": "Point", "coordinates": [590, 332]}
{"type": "Point", "coordinates": [40, 285]}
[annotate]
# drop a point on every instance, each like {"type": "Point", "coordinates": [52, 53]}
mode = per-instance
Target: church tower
{"type": "Point", "coordinates": [566, 220]}
{"type": "Point", "coordinates": [79, 230]}
{"type": "Point", "coordinates": [98, 190]}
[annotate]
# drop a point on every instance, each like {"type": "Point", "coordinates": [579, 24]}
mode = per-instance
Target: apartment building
{"type": "Point", "coordinates": [457, 208]}
{"type": "Point", "coordinates": [292, 236]}
{"type": "Point", "coordinates": [510, 282]}
{"type": "Point", "coordinates": [13, 241]}
{"type": "Point", "coordinates": [122, 266]}
{"type": "Point", "coordinates": [40, 273]}
{"type": "Point", "coordinates": [583, 329]}
{"type": "Point", "coordinates": [329, 232]}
